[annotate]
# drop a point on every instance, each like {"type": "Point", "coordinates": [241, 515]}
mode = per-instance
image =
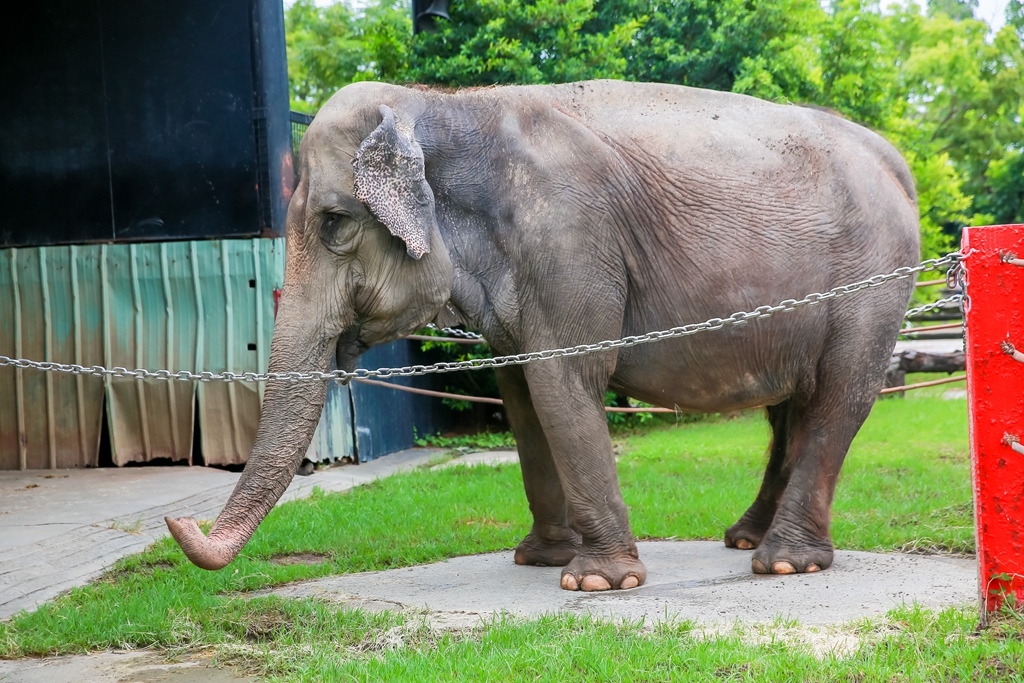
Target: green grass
{"type": "Point", "coordinates": [915, 646]}
{"type": "Point", "coordinates": [906, 485]}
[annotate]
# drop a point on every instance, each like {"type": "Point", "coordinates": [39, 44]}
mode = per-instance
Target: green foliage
{"type": "Point", "coordinates": [331, 46]}
{"type": "Point", "coordinates": [477, 383]}
{"type": "Point", "coordinates": [324, 52]}
{"type": "Point", "coordinates": [859, 77]}
{"type": "Point", "coordinates": [1005, 180]}
{"type": "Point", "coordinates": [481, 441]}
{"type": "Point", "coordinates": [626, 420]}
{"type": "Point", "coordinates": [507, 41]}
{"type": "Point", "coordinates": [965, 89]}
{"type": "Point", "coordinates": [759, 47]}
{"type": "Point", "coordinates": [957, 9]}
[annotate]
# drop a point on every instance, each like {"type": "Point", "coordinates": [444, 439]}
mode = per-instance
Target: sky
{"type": "Point", "coordinates": [992, 11]}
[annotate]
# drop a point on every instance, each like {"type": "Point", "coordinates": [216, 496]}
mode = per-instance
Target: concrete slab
{"type": "Point", "coordinates": [930, 345]}
{"type": "Point", "coordinates": [60, 529]}
{"type": "Point", "coordinates": [481, 458]}
{"type": "Point", "coordinates": [702, 581]}
{"type": "Point", "coordinates": [116, 667]}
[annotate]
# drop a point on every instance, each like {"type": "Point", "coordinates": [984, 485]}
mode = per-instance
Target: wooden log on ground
{"type": "Point", "coordinates": [919, 361]}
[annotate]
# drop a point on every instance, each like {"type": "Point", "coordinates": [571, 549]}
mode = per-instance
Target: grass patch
{"type": "Point", "coordinates": [910, 645]}
{"type": "Point", "coordinates": [906, 485]}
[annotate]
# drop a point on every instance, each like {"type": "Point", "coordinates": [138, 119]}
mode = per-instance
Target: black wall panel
{"type": "Point", "coordinates": [53, 150]}
{"type": "Point", "coordinates": [140, 121]}
{"type": "Point", "coordinates": [180, 109]}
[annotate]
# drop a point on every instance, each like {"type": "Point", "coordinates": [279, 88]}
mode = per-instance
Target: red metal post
{"type": "Point", "coordinates": [994, 328]}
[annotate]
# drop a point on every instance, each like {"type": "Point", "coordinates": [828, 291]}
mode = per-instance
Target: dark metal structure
{"type": "Point", "coordinates": [147, 120]}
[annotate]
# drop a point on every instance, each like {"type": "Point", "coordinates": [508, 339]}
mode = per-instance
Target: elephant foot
{"type": "Point", "coordinates": [744, 534]}
{"type": "Point", "coordinates": [774, 556]}
{"type": "Point", "coordinates": [588, 573]}
{"type": "Point", "coordinates": [542, 552]}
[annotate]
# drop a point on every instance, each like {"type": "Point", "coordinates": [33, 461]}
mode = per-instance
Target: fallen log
{"type": "Point", "coordinates": [919, 361]}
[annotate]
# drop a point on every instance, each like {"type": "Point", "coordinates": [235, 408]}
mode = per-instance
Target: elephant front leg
{"type": "Point", "coordinates": [571, 411]}
{"type": "Point", "coordinates": [552, 542]}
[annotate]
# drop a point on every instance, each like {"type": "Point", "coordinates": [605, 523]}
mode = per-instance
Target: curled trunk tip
{"type": "Point", "coordinates": [205, 553]}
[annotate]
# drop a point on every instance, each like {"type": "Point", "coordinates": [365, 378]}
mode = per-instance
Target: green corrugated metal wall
{"type": "Point", "coordinates": [204, 305]}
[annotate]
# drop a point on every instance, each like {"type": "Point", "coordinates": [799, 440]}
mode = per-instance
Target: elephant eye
{"type": "Point", "coordinates": [334, 232]}
{"type": "Point", "coordinates": [332, 220]}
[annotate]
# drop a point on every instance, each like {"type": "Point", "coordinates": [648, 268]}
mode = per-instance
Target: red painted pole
{"type": "Point", "coordinates": [994, 328]}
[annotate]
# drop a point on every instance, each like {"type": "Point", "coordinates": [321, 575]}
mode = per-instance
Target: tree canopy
{"type": "Point", "coordinates": [940, 84]}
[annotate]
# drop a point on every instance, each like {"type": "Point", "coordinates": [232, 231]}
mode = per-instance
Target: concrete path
{"type": "Point", "coordinates": [60, 529]}
{"type": "Point", "coordinates": [701, 581]}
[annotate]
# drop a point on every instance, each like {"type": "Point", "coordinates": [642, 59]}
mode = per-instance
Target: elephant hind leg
{"type": "Point", "coordinates": [748, 531]}
{"type": "Point", "coordinates": [552, 542]}
{"type": "Point", "coordinates": [820, 432]}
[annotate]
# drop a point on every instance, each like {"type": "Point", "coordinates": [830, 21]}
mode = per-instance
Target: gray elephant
{"type": "Point", "coordinates": [550, 216]}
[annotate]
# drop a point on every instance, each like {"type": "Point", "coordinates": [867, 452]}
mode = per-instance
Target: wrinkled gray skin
{"type": "Point", "coordinates": [550, 216]}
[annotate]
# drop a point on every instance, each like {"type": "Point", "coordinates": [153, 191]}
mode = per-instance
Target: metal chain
{"type": "Point", "coordinates": [456, 332]}
{"type": "Point", "coordinates": [955, 299]}
{"type": "Point", "coordinates": [499, 361]}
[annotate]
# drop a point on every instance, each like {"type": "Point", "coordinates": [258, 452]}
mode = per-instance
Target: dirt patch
{"type": "Point", "coordinates": [143, 568]}
{"type": "Point", "coordinates": [300, 558]}
{"type": "Point", "coordinates": [267, 625]}
{"type": "Point", "coordinates": [485, 521]}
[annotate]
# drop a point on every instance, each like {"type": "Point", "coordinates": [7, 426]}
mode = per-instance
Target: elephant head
{"type": "Point", "coordinates": [365, 264]}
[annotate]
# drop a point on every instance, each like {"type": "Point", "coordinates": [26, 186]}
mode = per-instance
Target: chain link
{"type": "Point", "coordinates": [456, 332]}
{"type": "Point", "coordinates": [941, 303]}
{"type": "Point", "coordinates": [737, 318]}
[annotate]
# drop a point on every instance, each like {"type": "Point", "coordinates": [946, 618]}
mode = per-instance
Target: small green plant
{"type": "Point", "coordinates": [483, 441]}
{"type": "Point", "coordinates": [477, 383]}
{"type": "Point", "coordinates": [626, 420]}
{"type": "Point", "coordinates": [127, 527]}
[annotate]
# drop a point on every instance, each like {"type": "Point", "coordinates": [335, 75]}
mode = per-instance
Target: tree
{"type": "Point", "coordinates": [324, 52]}
{"type": "Point", "coordinates": [859, 69]}
{"type": "Point", "coordinates": [385, 29]}
{"type": "Point", "coordinates": [507, 41]}
{"type": "Point", "coordinates": [954, 9]}
{"type": "Point", "coordinates": [760, 47]}
{"type": "Point", "coordinates": [332, 46]}
{"type": "Point", "coordinates": [963, 93]}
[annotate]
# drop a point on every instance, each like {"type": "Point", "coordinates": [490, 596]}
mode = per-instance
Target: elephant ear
{"type": "Point", "coordinates": [390, 181]}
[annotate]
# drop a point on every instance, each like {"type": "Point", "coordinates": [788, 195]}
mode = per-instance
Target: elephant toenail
{"type": "Point", "coordinates": [629, 582]}
{"type": "Point", "coordinates": [744, 544]}
{"type": "Point", "coordinates": [758, 567]}
{"type": "Point", "coordinates": [812, 567]}
{"type": "Point", "coordinates": [594, 582]}
{"type": "Point", "coordinates": [783, 567]}
{"type": "Point", "coordinates": [569, 582]}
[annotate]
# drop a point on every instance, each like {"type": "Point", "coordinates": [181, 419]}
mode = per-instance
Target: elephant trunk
{"type": "Point", "coordinates": [291, 411]}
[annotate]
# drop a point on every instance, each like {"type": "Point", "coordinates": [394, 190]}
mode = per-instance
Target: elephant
{"type": "Point", "coordinates": [550, 216]}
